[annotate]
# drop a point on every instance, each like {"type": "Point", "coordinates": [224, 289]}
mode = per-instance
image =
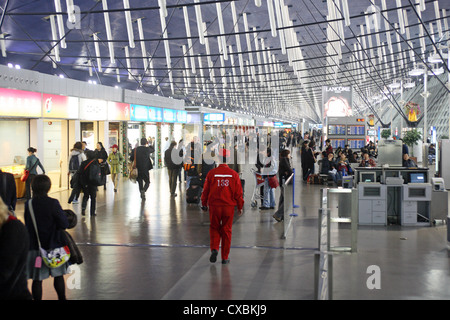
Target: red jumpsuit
{"type": "Point", "coordinates": [222, 192]}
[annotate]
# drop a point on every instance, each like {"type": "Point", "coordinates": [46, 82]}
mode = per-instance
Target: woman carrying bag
{"type": "Point", "coordinates": [31, 166]}
{"type": "Point", "coordinates": [50, 220]}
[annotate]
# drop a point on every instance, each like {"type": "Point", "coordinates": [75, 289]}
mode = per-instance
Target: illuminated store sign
{"type": "Point", "coordinates": [60, 107]}
{"type": "Point", "coordinates": [18, 103]}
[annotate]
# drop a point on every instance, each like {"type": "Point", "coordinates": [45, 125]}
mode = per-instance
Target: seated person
{"type": "Point", "coordinates": [329, 166]}
{"type": "Point", "coordinates": [407, 162]}
{"type": "Point", "coordinates": [343, 166]}
{"type": "Point", "coordinates": [367, 161]}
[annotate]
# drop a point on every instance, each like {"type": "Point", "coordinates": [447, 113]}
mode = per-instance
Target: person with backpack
{"type": "Point", "coordinates": [90, 177]}
{"type": "Point", "coordinates": [76, 157]}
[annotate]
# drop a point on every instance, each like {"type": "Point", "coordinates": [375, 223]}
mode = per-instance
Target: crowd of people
{"type": "Point", "coordinates": [212, 169]}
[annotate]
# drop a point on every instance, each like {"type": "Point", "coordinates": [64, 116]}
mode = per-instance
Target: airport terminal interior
{"type": "Point", "coordinates": [356, 92]}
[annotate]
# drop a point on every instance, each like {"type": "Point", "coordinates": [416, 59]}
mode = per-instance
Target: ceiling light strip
{"type": "Point", "coordinates": [108, 32]}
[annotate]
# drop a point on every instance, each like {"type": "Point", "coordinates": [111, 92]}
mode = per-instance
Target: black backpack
{"type": "Point", "coordinates": [95, 176]}
{"type": "Point", "coordinates": [74, 163]}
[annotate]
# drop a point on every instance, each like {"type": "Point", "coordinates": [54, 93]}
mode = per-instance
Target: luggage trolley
{"type": "Point", "coordinates": [259, 182]}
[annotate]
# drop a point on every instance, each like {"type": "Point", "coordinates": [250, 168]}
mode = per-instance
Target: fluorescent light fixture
{"type": "Point", "coordinates": [162, 7]}
{"type": "Point", "coordinates": [108, 32]}
{"type": "Point", "coordinates": [143, 48]}
{"type": "Point", "coordinates": [238, 38]}
{"type": "Point", "coordinates": [222, 30]}
{"type": "Point", "coordinates": [346, 12]}
{"type": "Point", "coordinates": [3, 44]}
{"type": "Point", "coordinates": [71, 11]}
{"type": "Point", "coordinates": [273, 23]}
{"type": "Point", "coordinates": [55, 39]}
{"type": "Point", "coordinates": [258, 3]}
{"type": "Point", "coordinates": [97, 52]}
{"type": "Point", "coordinates": [198, 15]}
{"type": "Point", "coordinates": [189, 40]}
{"type": "Point", "coordinates": [126, 5]}
{"type": "Point", "coordinates": [400, 16]}
{"type": "Point", "coordinates": [59, 19]}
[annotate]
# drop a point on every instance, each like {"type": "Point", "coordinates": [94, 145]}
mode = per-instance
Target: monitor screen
{"type": "Point", "coordinates": [417, 177]}
{"type": "Point", "coordinates": [367, 177]}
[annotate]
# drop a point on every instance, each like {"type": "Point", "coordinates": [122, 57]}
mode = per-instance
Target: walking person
{"type": "Point", "coordinates": [31, 165]}
{"type": "Point", "coordinates": [51, 221]}
{"type": "Point", "coordinates": [143, 165]}
{"type": "Point", "coordinates": [222, 193]}
{"type": "Point", "coordinates": [115, 160]}
{"type": "Point", "coordinates": [102, 157]}
{"type": "Point", "coordinates": [88, 184]}
{"type": "Point", "coordinates": [284, 173]}
{"type": "Point", "coordinates": [268, 172]}
{"type": "Point", "coordinates": [14, 247]}
{"type": "Point", "coordinates": [173, 167]}
{"type": "Point", "coordinates": [76, 157]}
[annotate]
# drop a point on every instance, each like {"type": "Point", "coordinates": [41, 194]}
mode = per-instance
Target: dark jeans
{"type": "Point", "coordinates": [143, 180]}
{"type": "Point", "coordinates": [89, 191]}
{"type": "Point", "coordinates": [28, 186]}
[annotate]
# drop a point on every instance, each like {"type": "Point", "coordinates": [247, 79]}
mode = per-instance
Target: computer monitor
{"type": "Point", "coordinates": [367, 177]}
{"type": "Point", "coordinates": [416, 177]}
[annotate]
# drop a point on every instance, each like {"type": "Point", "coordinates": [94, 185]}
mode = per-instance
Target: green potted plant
{"type": "Point", "coordinates": [411, 139]}
{"type": "Point", "coordinates": [386, 133]}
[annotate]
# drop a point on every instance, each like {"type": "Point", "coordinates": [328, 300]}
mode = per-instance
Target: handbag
{"type": "Point", "coordinates": [26, 173]}
{"type": "Point", "coordinates": [273, 182]}
{"type": "Point", "coordinates": [54, 258]}
{"type": "Point", "coordinates": [134, 171]}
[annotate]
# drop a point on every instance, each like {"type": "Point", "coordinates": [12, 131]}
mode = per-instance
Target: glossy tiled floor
{"type": "Point", "coordinates": [160, 250]}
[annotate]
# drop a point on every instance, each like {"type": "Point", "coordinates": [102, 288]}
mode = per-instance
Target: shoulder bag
{"type": "Point", "coordinates": [54, 258]}
{"type": "Point", "coordinates": [26, 173]}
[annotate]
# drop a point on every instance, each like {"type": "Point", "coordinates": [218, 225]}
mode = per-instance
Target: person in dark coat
{"type": "Point", "coordinates": [8, 191]}
{"type": "Point", "coordinates": [308, 159]}
{"type": "Point", "coordinates": [51, 222]}
{"type": "Point", "coordinates": [284, 172]}
{"type": "Point", "coordinates": [173, 166]}
{"type": "Point", "coordinates": [102, 157]}
{"type": "Point", "coordinates": [89, 189]}
{"type": "Point", "coordinates": [14, 246]}
{"type": "Point", "coordinates": [143, 165]}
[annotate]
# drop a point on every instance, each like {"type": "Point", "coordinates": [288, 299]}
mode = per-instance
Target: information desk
{"type": "Point", "coordinates": [394, 195]}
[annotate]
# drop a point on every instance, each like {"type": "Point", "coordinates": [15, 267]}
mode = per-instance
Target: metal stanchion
{"type": "Point", "coordinates": [288, 210]}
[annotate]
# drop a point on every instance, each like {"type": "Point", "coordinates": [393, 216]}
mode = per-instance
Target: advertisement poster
{"type": "Point", "coordinates": [337, 101]}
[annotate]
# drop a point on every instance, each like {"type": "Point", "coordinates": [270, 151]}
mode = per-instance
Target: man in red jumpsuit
{"type": "Point", "coordinates": [222, 193]}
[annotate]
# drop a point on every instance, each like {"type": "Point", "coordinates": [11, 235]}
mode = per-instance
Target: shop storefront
{"type": "Point", "coordinates": [19, 123]}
